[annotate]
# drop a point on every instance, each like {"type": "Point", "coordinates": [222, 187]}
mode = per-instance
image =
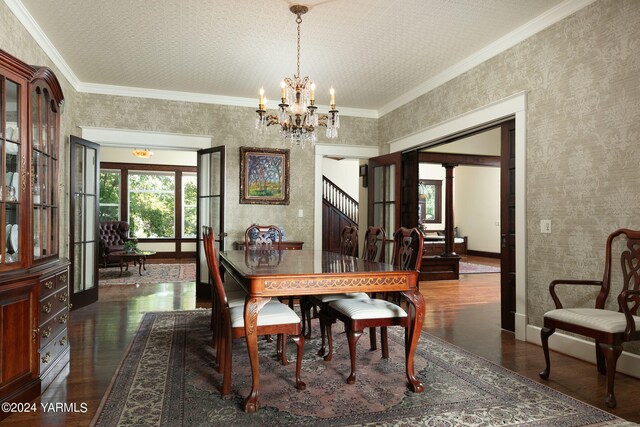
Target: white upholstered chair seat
{"type": "Point", "coordinates": [334, 297]}
{"type": "Point", "coordinates": [367, 309]}
{"type": "Point", "coordinates": [271, 314]}
{"type": "Point", "coordinates": [600, 320]}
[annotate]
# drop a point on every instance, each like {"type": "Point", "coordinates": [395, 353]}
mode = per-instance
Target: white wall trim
{"type": "Point", "coordinates": [124, 138]}
{"type": "Point", "coordinates": [323, 150]}
{"type": "Point", "coordinates": [525, 31]}
{"type": "Point", "coordinates": [628, 363]}
{"type": "Point", "coordinates": [521, 33]}
{"type": "Point", "coordinates": [514, 105]}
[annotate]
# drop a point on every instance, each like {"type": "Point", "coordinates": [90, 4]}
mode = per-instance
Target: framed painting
{"type": "Point", "coordinates": [429, 200]}
{"type": "Point", "coordinates": [264, 176]}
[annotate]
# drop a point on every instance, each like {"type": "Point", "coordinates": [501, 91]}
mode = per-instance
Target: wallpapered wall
{"type": "Point", "coordinates": [583, 124]}
{"type": "Point", "coordinates": [582, 76]}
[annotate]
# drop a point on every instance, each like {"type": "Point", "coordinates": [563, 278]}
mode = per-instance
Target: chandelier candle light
{"type": "Point", "coordinates": [297, 115]}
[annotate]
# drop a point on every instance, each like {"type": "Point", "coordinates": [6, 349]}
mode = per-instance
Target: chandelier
{"type": "Point", "coordinates": [297, 114]}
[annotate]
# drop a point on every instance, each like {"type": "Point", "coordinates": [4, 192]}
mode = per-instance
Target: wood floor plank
{"type": "Point", "coordinates": [465, 313]}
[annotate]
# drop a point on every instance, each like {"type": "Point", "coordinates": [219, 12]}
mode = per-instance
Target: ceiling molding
{"type": "Point", "coordinates": [521, 33]}
{"type": "Point", "coordinates": [32, 27]}
{"type": "Point", "coordinates": [534, 26]}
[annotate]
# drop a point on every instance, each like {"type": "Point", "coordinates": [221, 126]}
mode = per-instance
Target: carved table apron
{"type": "Point", "coordinates": [309, 272]}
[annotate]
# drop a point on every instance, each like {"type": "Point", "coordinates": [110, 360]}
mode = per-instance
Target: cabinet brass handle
{"type": "Point", "coordinates": [62, 319]}
{"type": "Point", "coordinates": [63, 341]}
{"type": "Point", "coordinates": [36, 331]}
{"type": "Point", "coordinates": [63, 297]}
{"type": "Point", "coordinates": [48, 284]}
{"type": "Point", "coordinates": [46, 332]}
{"type": "Point", "coordinates": [63, 278]}
{"type": "Point", "coordinates": [46, 308]}
{"type": "Point", "coordinates": [46, 357]}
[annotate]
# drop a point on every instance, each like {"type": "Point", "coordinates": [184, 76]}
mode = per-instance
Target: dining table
{"type": "Point", "coordinates": [268, 274]}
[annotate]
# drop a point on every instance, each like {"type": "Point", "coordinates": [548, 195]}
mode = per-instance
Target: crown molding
{"type": "Point", "coordinates": [553, 15]}
{"type": "Point", "coordinates": [527, 30]}
{"type": "Point", "coordinates": [32, 27]}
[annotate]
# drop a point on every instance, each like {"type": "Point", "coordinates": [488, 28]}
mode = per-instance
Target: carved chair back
{"type": "Point", "coordinates": [630, 263]}
{"type": "Point", "coordinates": [263, 237]}
{"type": "Point", "coordinates": [349, 241]}
{"type": "Point", "coordinates": [374, 243]}
{"type": "Point", "coordinates": [407, 248]}
{"type": "Point", "coordinates": [208, 241]}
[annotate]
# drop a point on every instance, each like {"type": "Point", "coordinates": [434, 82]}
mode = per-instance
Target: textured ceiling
{"type": "Point", "coordinates": [371, 51]}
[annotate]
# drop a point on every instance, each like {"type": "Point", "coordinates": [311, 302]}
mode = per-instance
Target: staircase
{"type": "Point", "coordinates": [338, 211]}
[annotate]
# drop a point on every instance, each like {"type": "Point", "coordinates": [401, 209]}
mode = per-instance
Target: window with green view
{"type": "Point", "coordinates": [189, 199]}
{"type": "Point", "coordinates": [109, 195]}
{"type": "Point", "coordinates": [152, 204]}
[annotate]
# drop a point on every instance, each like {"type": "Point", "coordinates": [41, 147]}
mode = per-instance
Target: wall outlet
{"type": "Point", "coordinates": [300, 213]}
{"type": "Point", "coordinates": [545, 226]}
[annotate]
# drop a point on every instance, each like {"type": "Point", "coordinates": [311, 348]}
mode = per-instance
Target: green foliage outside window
{"type": "Point", "coordinates": [109, 196]}
{"type": "Point", "coordinates": [151, 205]}
{"type": "Point", "coordinates": [189, 200]}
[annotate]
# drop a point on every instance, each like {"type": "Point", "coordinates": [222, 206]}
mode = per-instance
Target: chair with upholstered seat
{"type": "Point", "coordinates": [348, 246]}
{"type": "Point", "coordinates": [273, 318]}
{"type": "Point", "coordinates": [371, 313]}
{"type": "Point", "coordinates": [608, 327]}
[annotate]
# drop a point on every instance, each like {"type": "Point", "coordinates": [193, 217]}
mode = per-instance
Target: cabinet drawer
{"type": "Point", "coordinates": [47, 286]}
{"type": "Point", "coordinates": [62, 279]}
{"type": "Point", "coordinates": [53, 327]}
{"type": "Point", "coordinates": [53, 304]}
{"type": "Point", "coordinates": [53, 350]}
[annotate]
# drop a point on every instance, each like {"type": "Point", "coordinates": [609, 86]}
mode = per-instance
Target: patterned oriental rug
{"type": "Point", "coordinates": [471, 268]}
{"type": "Point", "coordinates": [155, 273]}
{"type": "Point", "coordinates": [168, 379]}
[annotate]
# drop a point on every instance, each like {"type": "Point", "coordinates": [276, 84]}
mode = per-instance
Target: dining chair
{"type": "Point", "coordinates": [608, 327]}
{"type": "Point", "coordinates": [273, 318]}
{"type": "Point", "coordinates": [348, 246]}
{"type": "Point", "coordinates": [263, 237]}
{"type": "Point", "coordinates": [358, 314]}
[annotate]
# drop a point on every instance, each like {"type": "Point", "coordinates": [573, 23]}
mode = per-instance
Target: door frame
{"type": "Point", "coordinates": [336, 150]}
{"type": "Point", "coordinates": [513, 106]}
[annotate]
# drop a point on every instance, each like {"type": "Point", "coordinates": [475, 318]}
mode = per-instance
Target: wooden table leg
{"type": "Point", "coordinates": [416, 313]}
{"type": "Point", "coordinates": [251, 308]}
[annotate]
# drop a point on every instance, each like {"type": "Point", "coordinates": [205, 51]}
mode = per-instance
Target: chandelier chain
{"type": "Point", "coordinates": [298, 21]}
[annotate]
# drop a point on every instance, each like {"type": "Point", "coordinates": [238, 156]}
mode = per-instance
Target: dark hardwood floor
{"type": "Point", "coordinates": [465, 313]}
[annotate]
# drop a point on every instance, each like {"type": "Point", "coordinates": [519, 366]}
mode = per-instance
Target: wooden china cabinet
{"type": "Point", "coordinates": [34, 295]}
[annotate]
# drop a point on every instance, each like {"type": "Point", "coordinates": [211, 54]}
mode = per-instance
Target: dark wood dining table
{"type": "Point", "coordinates": [269, 274]}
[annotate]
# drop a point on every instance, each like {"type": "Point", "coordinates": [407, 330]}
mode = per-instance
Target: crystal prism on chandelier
{"type": "Point", "coordinates": [297, 114]}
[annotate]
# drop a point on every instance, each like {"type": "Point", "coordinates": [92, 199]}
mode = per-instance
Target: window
{"type": "Point", "coordinates": [109, 195]}
{"type": "Point", "coordinates": [429, 200]}
{"type": "Point", "coordinates": [152, 200]}
{"type": "Point", "coordinates": [189, 200]}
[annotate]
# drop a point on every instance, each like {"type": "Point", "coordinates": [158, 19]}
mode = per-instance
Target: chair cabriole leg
{"type": "Point", "coordinates": [611, 354]}
{"type": "Point", "coordinates": [545, 333]}
{"type": "Point", "coordinates": [352, 338]}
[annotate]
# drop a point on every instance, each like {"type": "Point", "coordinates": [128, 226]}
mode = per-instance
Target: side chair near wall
{"type": "Point", "coordinates": [371, 313]}
{"type": "Point", "coordinates": [608, 328]}
{"type": "Point", "coordinates": [273, 318]}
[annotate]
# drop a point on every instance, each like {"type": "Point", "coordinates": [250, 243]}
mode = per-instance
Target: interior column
{"type": "Point", "coordinates": [448, 212]}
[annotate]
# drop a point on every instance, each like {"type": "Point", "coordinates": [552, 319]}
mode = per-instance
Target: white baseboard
{"type": "Point", "coordinates": [628, 363]}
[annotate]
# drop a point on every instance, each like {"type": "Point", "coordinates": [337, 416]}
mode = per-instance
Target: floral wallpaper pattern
{"type": "Point", "coordinates": [582, 77]}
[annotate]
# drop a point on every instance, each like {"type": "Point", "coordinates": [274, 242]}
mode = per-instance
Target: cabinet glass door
{"type": "Point", "coordinates": [11, 171]}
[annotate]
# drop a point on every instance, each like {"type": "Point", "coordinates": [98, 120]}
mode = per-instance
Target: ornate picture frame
{"type": "Point", "coordinates": [264, 176]}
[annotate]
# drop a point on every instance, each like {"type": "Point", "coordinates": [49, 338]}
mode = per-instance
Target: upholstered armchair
{"type": "Point", "coordinates": [113, 235]}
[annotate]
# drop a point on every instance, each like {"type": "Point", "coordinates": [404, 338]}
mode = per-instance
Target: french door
{"type": "Point", "coordinates": [384, 197]}
{"type": "Point", "coordinates": [508, 225]}
{"type": "Point", "coordinates": [210, 206]}
{"type": "Point", "coordinates": [85, 165]}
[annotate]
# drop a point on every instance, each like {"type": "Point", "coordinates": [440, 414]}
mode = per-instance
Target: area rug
{"type": "Point", "coordinates": [167, 378]}
{"type": "Point", "coordinates": [471, 268]}
{"type": "Point", "coordinates": [155, 273]}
